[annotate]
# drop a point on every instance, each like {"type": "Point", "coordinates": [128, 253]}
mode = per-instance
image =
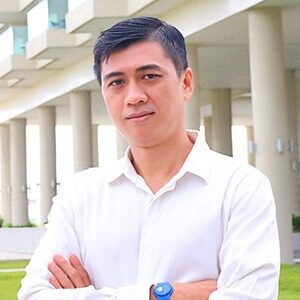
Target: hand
{"type": "Point", "coordinates": [68, 274]}
{"type": "Point", "coordinates": [199, 290]}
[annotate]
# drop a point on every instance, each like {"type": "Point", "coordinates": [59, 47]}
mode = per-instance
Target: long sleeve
{"type": "Point", "coordinates": [61, 238]}
{"type": "Point", "coordinates": [249, 255]}
{"type": "Point", "coordinates": [88, 293]}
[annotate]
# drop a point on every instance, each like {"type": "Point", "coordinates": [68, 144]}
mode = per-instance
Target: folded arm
{"type": "Point", "coordinates": [61, 237]}
{"type": "Point", "coordinates": [71, 274]}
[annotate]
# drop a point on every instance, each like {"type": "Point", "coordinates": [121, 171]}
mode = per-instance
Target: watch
{"type": "Point", "coordinates": [163, 291]}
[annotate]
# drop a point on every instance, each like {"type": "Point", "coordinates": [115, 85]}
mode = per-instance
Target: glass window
{"type": "Point", "coordinates": [20, 39]}
{"type": "Point", "coordinates": [57, 11]}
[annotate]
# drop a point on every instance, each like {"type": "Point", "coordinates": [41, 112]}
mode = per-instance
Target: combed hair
{"type": "Point", "coordinates": [133, 30]}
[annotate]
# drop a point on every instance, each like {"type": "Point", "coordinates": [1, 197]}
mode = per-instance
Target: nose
{"type": "Point", "coordinates": [135, 95]}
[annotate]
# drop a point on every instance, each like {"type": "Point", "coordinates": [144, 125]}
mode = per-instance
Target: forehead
{"type": "Point", "coordinates": [135, 55]}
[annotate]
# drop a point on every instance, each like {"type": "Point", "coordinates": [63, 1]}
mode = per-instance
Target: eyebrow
{"type": "Point", "coordinates": [112, 74]}
{"type": "Point", "coordinates": [139, 69]}
{"type": "Point", "coordinates": [148, 67]}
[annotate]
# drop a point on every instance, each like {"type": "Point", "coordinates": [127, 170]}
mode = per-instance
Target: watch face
{"type": "Point", "coordinates": [163, 289]}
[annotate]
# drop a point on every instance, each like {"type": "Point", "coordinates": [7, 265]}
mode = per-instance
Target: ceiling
{"type": "Point", "coordinates": [223, 49]}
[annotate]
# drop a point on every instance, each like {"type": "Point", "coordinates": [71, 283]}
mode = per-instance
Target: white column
{"type": "Point", "coordinates": [95, 145]}
{"type": "Point", "coordinates": [208, 130]}
{"type": "Point", "coordinates": [19, 201]}
{"type": "Point", "coordinates": [270, 114]}
{"type": "Point", "coordinates": [298, 116]}
{"type": "Point", "coordinates": [251, 146]}
{"type": "Point", "coordinates": [221, 121]}
{"type": "Point", "coordinates": [292, 139]}
{"type": "Point", "coordinates": [121, 144]}
{"type": "Point", "coordinates": [82, 130]}
{"type": "Point", "coordinates": [5, 173]}
{"type": "Point", "coordinates": [297, 83]}
{"type": "Point", "coordinates": [46, 120]}
{"type": "Point", "coordinates": [192, 107]}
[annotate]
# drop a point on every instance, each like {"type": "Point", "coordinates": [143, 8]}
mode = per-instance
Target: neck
{"type": "Point", "coordinates": [159, 163]}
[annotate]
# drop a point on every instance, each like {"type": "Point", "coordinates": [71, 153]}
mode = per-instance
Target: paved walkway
{"type": "Point", "coordinates": [11, 270]}
{"type": "Point", "coordinates": [24, 256]}
{"type": "Point", "coordinates": [14, 255]}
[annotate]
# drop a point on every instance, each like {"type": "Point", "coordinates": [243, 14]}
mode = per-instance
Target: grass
{"type": "Point", "coordinates": [289, 283]}
{"type": "Point", "coordinates": [10, 282]}
{"type": "Point", "coordinates": [18, 264]}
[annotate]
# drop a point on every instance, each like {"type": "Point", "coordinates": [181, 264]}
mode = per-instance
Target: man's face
{"type": "Point", "coordinates": [143, 93]}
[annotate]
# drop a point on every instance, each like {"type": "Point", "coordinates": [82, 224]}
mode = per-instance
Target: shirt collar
{"type": "Point", "coordinates": [197, 162]}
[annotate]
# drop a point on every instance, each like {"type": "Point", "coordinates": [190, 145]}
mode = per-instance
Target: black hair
{"type": "Point", "coordinates": [133, 30]}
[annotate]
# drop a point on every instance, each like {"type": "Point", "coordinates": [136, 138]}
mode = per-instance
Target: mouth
{"type": "Point", "coordinates": [139, 116]}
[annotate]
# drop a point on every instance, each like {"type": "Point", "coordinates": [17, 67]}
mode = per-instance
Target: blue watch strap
{"type": "Point", "coordinates": [163, 291]}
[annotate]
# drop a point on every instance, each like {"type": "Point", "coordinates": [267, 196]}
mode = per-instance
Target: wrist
{"type": "Point", "coordinates": [151, 296]}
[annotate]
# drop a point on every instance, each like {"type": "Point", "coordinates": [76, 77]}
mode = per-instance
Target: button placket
{"type": "Point", "coordinates": [147, 247]}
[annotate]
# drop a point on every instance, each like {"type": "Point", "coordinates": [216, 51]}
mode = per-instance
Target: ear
{"type": "Point", "coordinates": [187, 83]}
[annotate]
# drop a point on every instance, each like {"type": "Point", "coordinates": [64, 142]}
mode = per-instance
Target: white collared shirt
{"type": "Point", "coordinates": [215, 219]}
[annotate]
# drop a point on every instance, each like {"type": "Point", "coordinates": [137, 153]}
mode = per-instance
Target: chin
{"type": "Point", "coordinates": [141, 141]}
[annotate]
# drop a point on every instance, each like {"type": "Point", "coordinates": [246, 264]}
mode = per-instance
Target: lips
{"type": "Point", "coordinates": [140, 115]}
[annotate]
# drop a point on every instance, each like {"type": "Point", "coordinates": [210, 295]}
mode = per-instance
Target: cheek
{"type": "Point", "coordinates": [114, 109]}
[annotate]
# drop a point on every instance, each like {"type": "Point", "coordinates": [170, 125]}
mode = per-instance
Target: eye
{"type": "Point", "coordinates": [151, 76]}
{"type": "Point", "coordinates": [116, 82]}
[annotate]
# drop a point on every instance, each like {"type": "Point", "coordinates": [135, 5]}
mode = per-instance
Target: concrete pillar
{"type": "Point", "coordinates": [82, 130]}
{"type": "Point", "coordinates": [121, 144]}
{"type": "Point", "coordinates": [5, 173]}
{"type": "Point", "coordinates": [292, 139]}
{"type": "Point", "coordinates": [251, 145]}
{"type": "Point", "coordinates": [95, 158]}
{"type": "Point", "coordinates": [192, 107]}
{"type": "Point", "coordinates": [297, 83]}
{"type": "Point", "coordinates": [19, 200]}
{"type": "Point", "coordinates": [221, 121]}
{"type": "Point", "coordinates": [268, 87]}
{"type": "Point", "coordinates": [46, 120]}
{"type": "Point", "coordinates": [208, 130]}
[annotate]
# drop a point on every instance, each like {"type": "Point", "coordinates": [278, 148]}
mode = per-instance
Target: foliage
{"type": "Point", "coordinates": [9, 225]}
{"type": "Point", "coordinates": [296, 223]}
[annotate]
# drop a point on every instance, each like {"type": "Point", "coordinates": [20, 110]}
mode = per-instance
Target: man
{"type": "Point", "coordinates": [170, 220]}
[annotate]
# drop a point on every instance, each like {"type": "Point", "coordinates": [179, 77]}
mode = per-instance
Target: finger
{"type": "Point", "coordinates": [75, 262]}
{"type": "Point", "coordinates": [54, 282]}
{"type": "Point", "coordinates": [60, 276]}
{"type": "Point", "coordinates": [69, 271]}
